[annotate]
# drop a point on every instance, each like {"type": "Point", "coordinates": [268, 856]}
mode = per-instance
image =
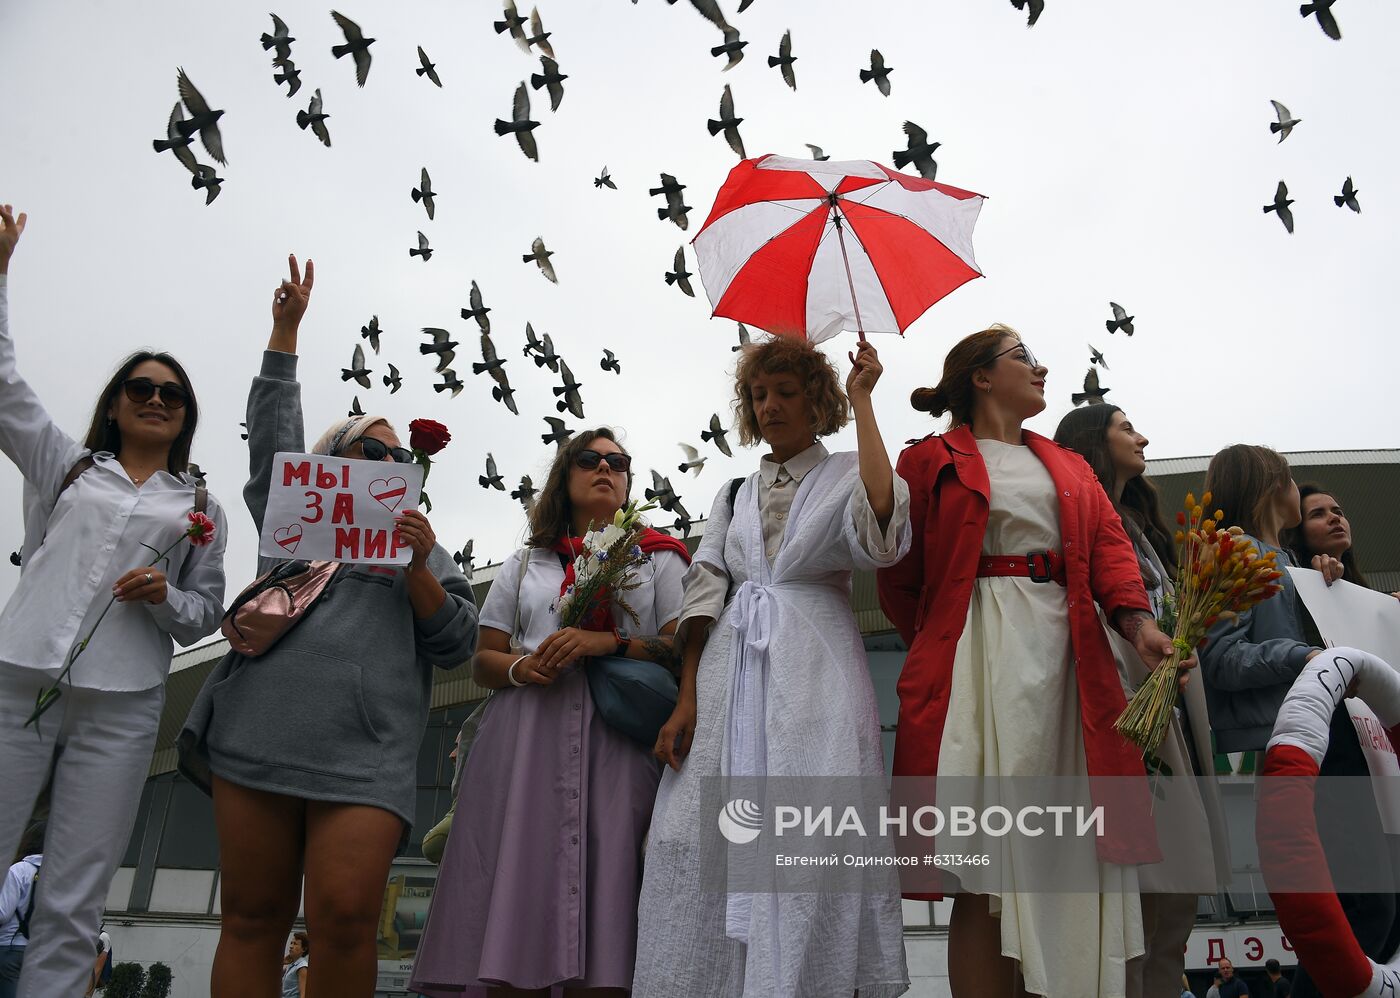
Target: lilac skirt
{"type": "Point", "coordinates": [539, 882]}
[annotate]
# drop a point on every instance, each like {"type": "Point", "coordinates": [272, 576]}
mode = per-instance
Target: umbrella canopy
{"type": "Point", "coordinates": [804, 248]}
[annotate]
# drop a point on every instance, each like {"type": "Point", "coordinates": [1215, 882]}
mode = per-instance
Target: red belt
{"type": "Point", "coordinates": [1038, 566]}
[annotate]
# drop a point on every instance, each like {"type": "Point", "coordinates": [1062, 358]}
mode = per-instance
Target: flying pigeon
{"type": "Point", "coordinates": [1348, 197]}
{"type": "Point", "coordinates": [569, 399]}
{"type": "Point", "coordinates": [557, 434]}
{"type": "Point", "coordinates": [675, 210]}
{"type": "Point", "coordinates": [280, 38]}
{"type": "Point", "coordinates": [543, 350]}
{"type": "Point", "coordinates": [878, 72]}
{"type": "Point", "coordinates": [538, 36]}
{"type": "Point", "coordinates": [501, 391]}
{"type": "Point", "coordinates": [728, 123]}
{"type": "Point", "coordinates": [661, 490]}
{"type": "Point", "coordinates": [610, 362]}
{"type": "Point", "coordinates": [426, 68]}
{"type": "Point", "coordinates": [1121, 319]}
{"type": "Point", "coordinates": [732, 47]}
{"type": "Point", "coordinates": [693, 461]}
{"type": "Point", "coordinates": [1322, 9]}
{"type": "Point", "coordinates": [478, 310]}
{"type": "Point", "coordinates": [355, 410]}
{"type": "Point", "coordinates": [716, 433]}
{"type": "Point", "coordinates": [204, 177]}
{"type": "Point", "coordinates": [525, 492]}
{"type": "Point", "coordinates": [785, 58]}
{"type": "Point", "coordinates": [538, 254]}
{"type": "Point", "coordinates": [423, 250]}
{"type": "Point", "coordinates": [1037, 8]}
{"type": "Point", "coordinates": [371, 332]}
{"type": "Point", "coordinates": [316, 118]}
{"type": "Point", "coordinates": [289, 75]}
{"type": "Point", "coordinates": [744, 339]}
{"type": "Point", "coordinates": [492, 479]}
{"type": "Point", "coordinates": [818, 153]}
{"type": "Point", "coordinates": [603, 180]}
{"type": "Point", "coordinates": [357, 369]}
{"type": "Point", "coordinates": [449, 383]}
{"type": "Point", "coordinates": [1285, 122]}
{"type": "Point", "coordinates": [551, 78]}
{"type": "Point", "coordinates": [442, 346]}
{"type": "Point", "coordinates": [513, 23]}
{"type": "Point", "coordinates": [680, 276]}
{"type": "Point", "coordinates": [392, 380]}
{"type": "Point", "coordinates": [1095, 357]}
{"type": "Point", "coordinates": [424, 192]}
{"type": "Point", "coordinates": [683, 523]}
{"type": "Point", "coordinates": [177, 142]}
{"type": "Point", "coordinates": [919, 151]}
{"type": "Point", "coordinates": [1092, 393]}
{"type": "Point", "coordinates": [356, 45]}
{"type": "Point", "coordinates": [520, 124]}
{"type": "Point", "coordinates": [463, 558]}
{"type": "Point", "coordinates": [1280, 205]}
{"type": "Point", "coordinates": [201, 119]}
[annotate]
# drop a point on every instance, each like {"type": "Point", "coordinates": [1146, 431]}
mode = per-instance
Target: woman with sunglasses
{"type": "Point", "coordinates": [537, 892]}
{"type": "Point", "coordinates": [777, 684]}
{"type": "Point", "coordinates": [1009, 673]}
{"type": "Point", "coordinates": [311, 750]}
{"type": "Point", "coordinates": [93, 513]}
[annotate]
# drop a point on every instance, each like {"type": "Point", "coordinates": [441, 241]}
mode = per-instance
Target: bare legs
{"type": "Point", "coordinates": [976, 967]}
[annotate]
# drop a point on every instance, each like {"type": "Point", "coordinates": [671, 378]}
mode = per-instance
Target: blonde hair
{"type": "Point", "coordinates": [344, 433]}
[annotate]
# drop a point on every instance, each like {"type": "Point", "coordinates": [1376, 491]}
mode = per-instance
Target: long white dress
{"type": "Point", "coordinates": [807, 691]}
{"type": "Point", "coordinates": [1014, 710]}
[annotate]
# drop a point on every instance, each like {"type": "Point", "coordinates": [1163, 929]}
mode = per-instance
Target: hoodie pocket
{"type": "Point", "coordinates": [303, 711]}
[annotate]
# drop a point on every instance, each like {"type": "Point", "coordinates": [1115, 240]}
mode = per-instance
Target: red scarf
{"type": "Point", "coordinates": [599, 618]}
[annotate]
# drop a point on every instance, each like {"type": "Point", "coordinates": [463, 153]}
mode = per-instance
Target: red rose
{"type": "Point", "coordinates": [428, 436]}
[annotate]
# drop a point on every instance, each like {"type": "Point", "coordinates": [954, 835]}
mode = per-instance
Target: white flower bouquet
{"type": "Point", "coordinates": [603, 570]}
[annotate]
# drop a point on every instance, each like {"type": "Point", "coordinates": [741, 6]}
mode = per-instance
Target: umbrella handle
{"type": "Point", "coordinates": [850, 283]}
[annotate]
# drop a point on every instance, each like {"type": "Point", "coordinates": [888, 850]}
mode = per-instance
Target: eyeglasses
{"type": "Point", "coordinates": [589, 459]}
{"type": "Point", "coordinates": [172, 396]}
{"type": "Point", "coordinates": [374, 450]}
{"type": "Point", "coordinates": [1026, 357]}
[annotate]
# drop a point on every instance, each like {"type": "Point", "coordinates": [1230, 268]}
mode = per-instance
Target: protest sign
{"type": "Point", "coordinates": [1352, 616]}
{"type": "Point", "coordinates": [322, 508]}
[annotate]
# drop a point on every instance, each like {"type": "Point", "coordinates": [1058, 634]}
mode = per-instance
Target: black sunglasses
{"type": "Point", "coordinates": [144, 389]}
{"type": "Point", "coordinates": [589, 459]}
{"type": "Point", "coordinates": [374, 450]}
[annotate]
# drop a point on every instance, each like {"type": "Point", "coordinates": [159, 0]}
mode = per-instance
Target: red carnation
{"type": "Point", "coordinates": [428, 436]}
{"type": "Point", "coordinates": [201, 529]}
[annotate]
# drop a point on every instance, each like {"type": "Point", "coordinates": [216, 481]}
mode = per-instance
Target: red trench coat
{"type": "Point", "coordinates": [927, 594]}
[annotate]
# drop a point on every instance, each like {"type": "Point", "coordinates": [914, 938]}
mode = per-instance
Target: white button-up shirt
{"type": "Point", "coordinates": [77, 544]}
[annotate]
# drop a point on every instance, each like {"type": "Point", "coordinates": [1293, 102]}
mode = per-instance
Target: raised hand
{"type": "Point", "coordinates": [292, 296]}
{"type": "Point", "coordinates": [10, 231]}
{"type": "Point", "coordinates": [414, 528]}
{"type": "Point", "coordinates": [865, 371]}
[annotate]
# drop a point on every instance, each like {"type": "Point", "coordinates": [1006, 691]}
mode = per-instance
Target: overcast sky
{"type": "Point", "coordinates": [1123, 147]}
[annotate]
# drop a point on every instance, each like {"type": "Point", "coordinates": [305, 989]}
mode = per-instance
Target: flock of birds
{"type": "Point", "coordinates": [193, 116]}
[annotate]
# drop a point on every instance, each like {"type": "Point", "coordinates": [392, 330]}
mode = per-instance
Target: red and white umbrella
{"type": "Point", "coordinates": [799, 247]}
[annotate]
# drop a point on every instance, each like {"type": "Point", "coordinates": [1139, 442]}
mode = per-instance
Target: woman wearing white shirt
{"type": "Point", "coordinates": [88, 537]}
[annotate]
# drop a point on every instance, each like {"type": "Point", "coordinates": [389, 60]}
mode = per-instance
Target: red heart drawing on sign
{"type": "Point", "coordinates": [389, 491]}
{"type": "Point", "coordinates": [288, 537]}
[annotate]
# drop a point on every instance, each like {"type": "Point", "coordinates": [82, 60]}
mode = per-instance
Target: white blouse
{"type": "Point", "coordinates": [76, 546]}
{"type": "Point", "coordinates": [657, 600]}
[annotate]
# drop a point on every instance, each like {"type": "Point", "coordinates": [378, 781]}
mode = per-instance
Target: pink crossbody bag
{"type": "Point", "coordinates": [275, 603]}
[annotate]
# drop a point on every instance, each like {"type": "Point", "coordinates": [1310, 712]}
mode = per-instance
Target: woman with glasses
{"type": "Point", "coordinates": [1010, 674]}
{"type": "Point", "coordinates": [777, 684]}
{"type": "Point", "coordinates": [311, 750]}
{"type": "Point", "coordinates": [95, 513]}
{"type": "Point", "coordinates": [538, 883]}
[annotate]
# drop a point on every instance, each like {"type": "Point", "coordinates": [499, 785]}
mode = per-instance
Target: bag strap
{"type": "Point", "coordinates": [734, 485]}
{"type": "Point", "coordinates": [82, 465]}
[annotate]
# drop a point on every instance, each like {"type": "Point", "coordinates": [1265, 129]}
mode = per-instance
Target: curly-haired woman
{"type": "Point", "coordinates": [776, 684]}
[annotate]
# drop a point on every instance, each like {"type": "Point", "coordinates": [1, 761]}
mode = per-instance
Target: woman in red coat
{"type": "Point", "coordinates": [1014, 543]}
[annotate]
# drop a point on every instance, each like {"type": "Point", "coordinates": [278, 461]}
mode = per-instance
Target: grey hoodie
{"type": "Point", "coordinates": [336, 709]}
{"type": "Point", "coordinates": [1249, 664]}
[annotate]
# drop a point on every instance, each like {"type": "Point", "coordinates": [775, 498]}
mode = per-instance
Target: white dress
{"type": "Point", "coordinates": [814, 714]}
{"type": "Point", "coordinates": [1014, 710]}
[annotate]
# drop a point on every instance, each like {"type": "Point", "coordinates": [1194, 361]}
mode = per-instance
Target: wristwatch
{"type": "Point", "coordinates": [624, 640]}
